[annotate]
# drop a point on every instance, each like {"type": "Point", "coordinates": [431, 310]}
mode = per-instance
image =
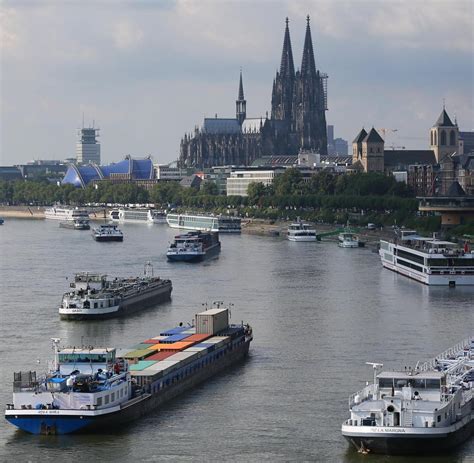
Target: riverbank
{"type": "Point", "coordinates": [279, 228]}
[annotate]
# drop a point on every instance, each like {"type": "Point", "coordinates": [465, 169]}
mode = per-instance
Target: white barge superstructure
{"type": "Point", "coordinates": [428, 260]}
{"type": "Point", "coordinates": [428, 408]}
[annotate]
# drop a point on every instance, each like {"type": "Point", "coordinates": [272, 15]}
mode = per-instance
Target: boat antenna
{"type": "Point", "coordinates": [55, 342]}
{"type": "Point", "coordinates": [375, 366]}
{"type": "Point", "coordinates": [148, 268]}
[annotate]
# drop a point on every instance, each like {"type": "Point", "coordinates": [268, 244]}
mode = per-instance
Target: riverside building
{"type": "Point", "coordinates": [87, 146]}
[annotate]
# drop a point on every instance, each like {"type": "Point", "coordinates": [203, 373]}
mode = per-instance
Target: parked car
{"type": "Point", "coordinates": [371, 226]}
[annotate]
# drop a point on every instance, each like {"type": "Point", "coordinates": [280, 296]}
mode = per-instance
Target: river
{"type": "Point", "coordinates": [318, 313]}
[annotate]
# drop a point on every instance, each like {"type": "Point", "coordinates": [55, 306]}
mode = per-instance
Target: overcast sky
{"type": "Point", "coordinates": [148, 71]}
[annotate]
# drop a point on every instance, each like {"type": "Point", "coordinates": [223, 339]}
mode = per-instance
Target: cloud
{"type": "Point", "coordinates": [10, 30]}
{"type": "Point", "coordinates": [127, 35]}
{"type": "Point", "coordinates": [431, 24]}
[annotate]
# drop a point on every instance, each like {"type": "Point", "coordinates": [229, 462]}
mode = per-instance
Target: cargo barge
{"type": "Point", "coordinates": [194, 246]}
{"type": "Point", "coordinates": [94, 297]}
{"type": "Point", "coordinates": [96, 389]}
{"type": "Point", "coordinates": [107, 232]}
{"type": "Point", "coordinates": [425, 409]}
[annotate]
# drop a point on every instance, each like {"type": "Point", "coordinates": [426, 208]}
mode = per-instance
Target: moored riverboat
{"type": "Point", "coordinates": [212, 223]}
{"type": "Point", "coordinates": [348, 240]}
{"type": "Point", "coordinates": [300, 231]}
{"type": "Point", "coordinates": [425, 409]}
{"type": "Point", "coordinates": [93, 390]}
{"type": "Point", "coordinates": [66, 213]}
{"type": "Point", "coordinates": [137, 215]}
{"type": "Point", "coordinates": [428, 260]}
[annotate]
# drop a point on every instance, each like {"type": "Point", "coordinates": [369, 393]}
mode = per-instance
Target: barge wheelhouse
{"type": "Point", "coordinates": [425, 409]}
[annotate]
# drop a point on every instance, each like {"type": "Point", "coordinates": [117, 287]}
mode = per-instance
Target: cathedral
{"type": "Point", "coordinates": [297, 122]}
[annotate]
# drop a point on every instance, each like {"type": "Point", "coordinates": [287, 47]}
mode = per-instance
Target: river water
{"type": "Point", "coordinates": [318, 312]}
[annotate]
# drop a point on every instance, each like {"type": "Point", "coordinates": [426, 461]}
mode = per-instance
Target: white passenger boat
{"type": "Point", "coordinates": [66, 213]}
{"type": "Point", "coordinates": [107, 233]}
{"type": "Point", "coordinates": [348, 240]}
{"type": "Point", "coordinates": [425, 409]}
{"type": "Point", "coordinates": [299, 231]}
{"type": "Point", "coordinates": [217, 223]}
{"type": "Point", "coordinates": [138, 215]}
{"type": "Point", "coordinates": [428, 260]}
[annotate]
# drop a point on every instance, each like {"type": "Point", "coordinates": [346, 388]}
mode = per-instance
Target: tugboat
{"type": "Point", "coordinates": [91, 389]}
{"type": "Point", "coordinates": [95, 297]}
{"type": "Point", "coordinates": [107, 232]}
{"type": "Point", "coordinates": [194, 246]}
{"type": "Point", "coordinates": [76, 224]}
{"type": "Point", "coordinates": [425, 409]}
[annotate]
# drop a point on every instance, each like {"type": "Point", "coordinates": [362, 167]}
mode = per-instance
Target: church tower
{"type": "Point", "coordinates": [310, 101]}
{"type": "Point", "coordinates": [373, 152]}
{"type": "Point", "coordinates": [283, 84]}
{"type": "Point", "coordinates": [241, 103]}
{"type": "Point", "coordinates": [444, 136]}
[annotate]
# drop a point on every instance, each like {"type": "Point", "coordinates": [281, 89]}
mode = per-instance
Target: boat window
{"type": "Point", "coordinates": [106, 399]}
{"type": "Point", "coordinates": [112, 396]}
{"type": "Point", "coordinates": [433, 383]}
{"type": "Point", "coordinates": [99, 401]}
{"type": "Point", "coordinates": [417, 383]}
{"type": "Point", "coordinates": [401, 383]}
{"type": "Point", "coordinates": [385, 382]}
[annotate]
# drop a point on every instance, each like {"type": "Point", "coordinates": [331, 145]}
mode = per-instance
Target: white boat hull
{"type": "Point", "coordinates": [349, 244]}
{"type": "Point", "coordinates": [448, 279]}
{"type": "Point", "coordinates": [302, 238]}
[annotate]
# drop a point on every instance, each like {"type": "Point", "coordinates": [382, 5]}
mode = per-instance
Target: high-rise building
{"type": "Point", "coordinates": [87, 146]}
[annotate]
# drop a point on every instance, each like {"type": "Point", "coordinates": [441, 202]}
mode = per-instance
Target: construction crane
{"type": "Point", "coordinates": [393, 147]}
{"type": "Point", "coordinates": [384, 131]}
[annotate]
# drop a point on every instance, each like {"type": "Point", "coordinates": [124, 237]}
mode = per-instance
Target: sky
{"type": "Point", "coordinates": [146, 72]}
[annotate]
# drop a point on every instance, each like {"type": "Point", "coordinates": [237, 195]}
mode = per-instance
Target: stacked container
{"type": "Point", "coordinates": [212, 321]}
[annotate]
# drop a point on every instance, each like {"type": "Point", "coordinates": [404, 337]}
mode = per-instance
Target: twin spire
{"type": "Point", "coordinates": [308, 66]}
{"type": "Point", "coordinates": [287, 67]}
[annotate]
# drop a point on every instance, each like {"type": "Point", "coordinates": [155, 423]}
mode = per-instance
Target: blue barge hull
{"type": "Point", "coordinates": [51, 423]}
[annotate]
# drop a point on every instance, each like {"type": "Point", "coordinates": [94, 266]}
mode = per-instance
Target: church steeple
{"type": "Point", "coordinates": [282, 94]}
{"type": "Point", "coordinates": [287, 68]}
{"type": "Point", "coordinates": [241, 103]}
{"type": "Point", "coordinates": [308, 66]}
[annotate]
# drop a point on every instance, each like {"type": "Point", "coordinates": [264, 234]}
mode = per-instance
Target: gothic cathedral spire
{"type": "Point", "coordinates": [308, 66]}
{"type": "Point", "coordinates": [282, 95]}
{"type": "Point", "coordinates": [241, 103]}
{"type": "Point", "coordinates": [309, 101]}
{"type": "Point", "coordinates": [287, 68]}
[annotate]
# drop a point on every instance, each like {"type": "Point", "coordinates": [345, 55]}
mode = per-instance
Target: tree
{"type": "Point", "coordinates": [208, 187]}
{"type": "Point", "coordinates": [255, 191]}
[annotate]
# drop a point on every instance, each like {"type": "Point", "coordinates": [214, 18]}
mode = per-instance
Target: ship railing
{"type": "Point", "coordinates": [368, 392]}
{"type": "Point", "coordinates": [447, 354]}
